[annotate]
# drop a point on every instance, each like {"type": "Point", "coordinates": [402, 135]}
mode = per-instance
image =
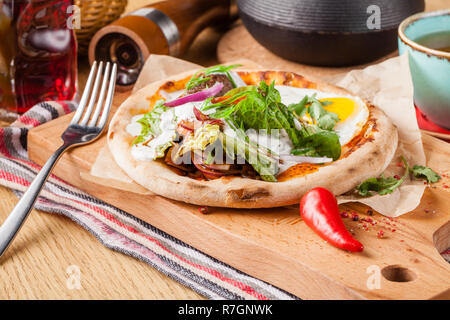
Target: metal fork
{"type": "Point", "coordinates": [82, 130]}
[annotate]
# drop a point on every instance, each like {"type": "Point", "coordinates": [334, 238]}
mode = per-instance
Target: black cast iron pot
{"type": "Point", "coordinates": [327, 32]}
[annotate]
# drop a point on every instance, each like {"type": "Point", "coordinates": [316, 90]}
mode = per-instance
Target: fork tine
{"type": "Point", "coordinates": [101, 98]}
{"type": "Point", "coordinates": [109, 97]}
{"type": "Point", "coordinates": [94, 93]}
{"type": "Point", "coordinates": [85, 95]}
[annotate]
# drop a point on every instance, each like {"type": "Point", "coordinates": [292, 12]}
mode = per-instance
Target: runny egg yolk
{"type": "Point", "coordinates": [343, 107]}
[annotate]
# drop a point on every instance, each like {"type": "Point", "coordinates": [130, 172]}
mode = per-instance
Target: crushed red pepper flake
{"type": "Point", "coordinates": [380, 234]}
{"type": "Point", "coordinates": [203, 210]}
{"type": "Point", "coordinates": [344, 214]}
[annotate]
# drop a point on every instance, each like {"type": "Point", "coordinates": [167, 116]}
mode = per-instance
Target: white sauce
{"type": "Point", "coordinates": [134, 128]}
{"type": "Point", "coordinates": [149, 151]}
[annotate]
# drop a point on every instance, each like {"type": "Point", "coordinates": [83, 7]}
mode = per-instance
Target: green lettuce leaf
{"type": "Point", "coordinates": [321, 143]}
{"type": "Point", "coordinates": [150, 123]}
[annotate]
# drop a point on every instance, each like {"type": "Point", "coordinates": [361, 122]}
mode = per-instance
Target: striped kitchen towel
{"type": "Point", "coordinates": [117, 229]}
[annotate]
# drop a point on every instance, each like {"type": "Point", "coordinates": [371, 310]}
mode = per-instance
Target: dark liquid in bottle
{"type": "Point", "coordinates": [44, 66]}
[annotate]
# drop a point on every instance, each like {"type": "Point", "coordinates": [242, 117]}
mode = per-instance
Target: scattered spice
{"type": "Point", "coordinates": [203, 210]}
{"type": "Point", "coordinates": [380, 234]}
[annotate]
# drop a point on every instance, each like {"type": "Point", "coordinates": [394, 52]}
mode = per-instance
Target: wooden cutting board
{"type": "Point", "coordinates": [276, 246]}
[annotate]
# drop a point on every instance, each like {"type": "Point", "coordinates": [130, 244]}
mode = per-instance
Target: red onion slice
{"type": "Point", "coordinates": [303, 159]}
{"type": "Point", "coordinates": [217, 167]}
{"type": "Point", "coordinates": [208, 172]}
{"type": "Point", "coordinates": [198, 96]}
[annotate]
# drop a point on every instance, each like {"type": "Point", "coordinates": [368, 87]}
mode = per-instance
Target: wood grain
{"type": "Point", "coordinates": [276, 246]}
{"type": "Point", "coordinates": [48, 243]}
{"type": "Point", "coordinates": [35, 267]}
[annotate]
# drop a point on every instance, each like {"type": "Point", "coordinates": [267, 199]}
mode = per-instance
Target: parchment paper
{"type": "Point", "coordinates": [387, 85]}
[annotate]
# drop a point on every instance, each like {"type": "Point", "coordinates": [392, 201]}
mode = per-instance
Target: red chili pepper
{"type": "Point", "coordinates": [320, 211]}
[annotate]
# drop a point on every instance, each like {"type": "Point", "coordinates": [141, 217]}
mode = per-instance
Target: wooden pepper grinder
{"type": "Point", "coordinates": [167, 27]}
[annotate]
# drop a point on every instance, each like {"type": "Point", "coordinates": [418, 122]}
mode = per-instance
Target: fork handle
{"type": "Point", "coordinates": [17, 217]}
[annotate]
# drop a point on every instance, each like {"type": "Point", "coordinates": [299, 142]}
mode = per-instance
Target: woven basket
{"type": "Point", "coordinates": [95, 14]}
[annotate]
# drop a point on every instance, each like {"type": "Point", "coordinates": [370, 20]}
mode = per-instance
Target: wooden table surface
{"type": "Point", "coordinates": [38, 264]}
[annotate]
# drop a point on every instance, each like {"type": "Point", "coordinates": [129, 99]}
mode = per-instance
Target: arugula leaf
{"type": "Point", "coordinates": [256, 108]}
{"type": "Point", "coordinates": [261, 108]}
{"type": "Point", "coordinates": [150, 122]}
{"type": "Point", "coordinates": [322, 143]}
{"type": "Point", "coordinates": [380, 185]}
{"type": "Point", "coordinates": [202, 75]}
{"type": "Point", "coordinates": [385, 186]}
{"type": "Point", "coordinates": [300, 108]}
{"type": "Point", "coordinates": [425, 173]}
{"type": "Point", "coordinates": [322, 118]}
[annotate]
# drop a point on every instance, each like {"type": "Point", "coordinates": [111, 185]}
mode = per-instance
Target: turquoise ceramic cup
{"type": "Point", "coordinates": [430, 69]}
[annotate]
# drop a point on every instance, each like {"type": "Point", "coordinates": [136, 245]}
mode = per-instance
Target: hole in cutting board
{"type": "Point", "coordinates": [396, 273]}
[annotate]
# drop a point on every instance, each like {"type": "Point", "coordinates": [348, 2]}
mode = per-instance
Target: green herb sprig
{"type": "Point", "coordinates": [324, 119]}
{"type": "Point", "coordinates": [202, 76]}
{"type": "Point", "coordinates": [384, 186]}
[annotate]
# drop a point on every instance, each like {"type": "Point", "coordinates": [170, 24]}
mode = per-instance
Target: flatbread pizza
{"type": "Point", "coordinates": [239, 138]}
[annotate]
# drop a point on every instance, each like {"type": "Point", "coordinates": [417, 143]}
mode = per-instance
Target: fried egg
{"type": "Point", "coordinates": [353, 113]}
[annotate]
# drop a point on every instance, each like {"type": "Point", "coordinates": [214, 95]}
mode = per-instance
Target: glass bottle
{"type": "Point", "coordinates": [45, 63]}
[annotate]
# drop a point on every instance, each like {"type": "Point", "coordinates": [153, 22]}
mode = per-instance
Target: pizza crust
{"type": "Point", "coordinates": [369, 158]}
